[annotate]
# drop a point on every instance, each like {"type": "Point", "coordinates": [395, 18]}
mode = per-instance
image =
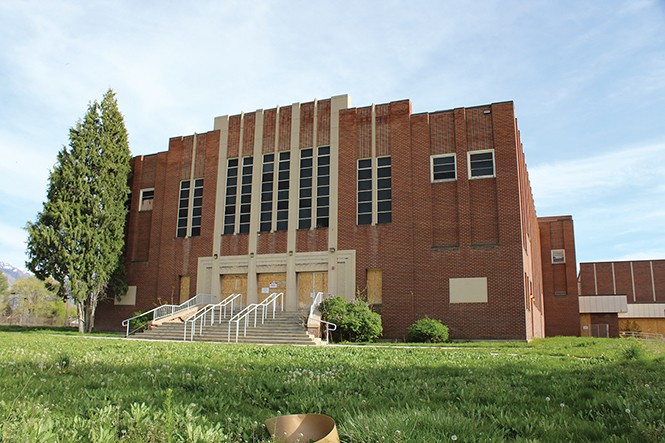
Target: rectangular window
{"type": "Point", "coordinates": [283, 191]}
{"type": "Point", "coordinates": [147, 196]}
{"type": "Point", "coordinates": [305, 197]}
{"type": "Point", "coordinates": [183, 209]}
{"type": "Point", "coordinates": [558, 256]}
{"type": "Point", "coordinates": [231, 196]}
{"type": "Point", "coordinates": [197, 207]}
{"type": "Point", "coordinates": [481, 164]}
{"type": "Point", "coordinates": [384, 199]}
{"type": "Point", "coordinates": [443, 167]}
{"type": "Point", "coordinates": [267, 180]}
{"type": "Point", "coordinates": [323, 187]}
{"type": "Point", "coordinates": [365, 191]}
{"type": "Point", "coordinates": [246, 194]}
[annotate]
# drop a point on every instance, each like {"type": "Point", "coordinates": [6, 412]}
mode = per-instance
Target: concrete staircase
{"type": "Point", "coordinates": [286, 328]}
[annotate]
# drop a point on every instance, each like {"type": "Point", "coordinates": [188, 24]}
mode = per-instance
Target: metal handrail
{"type": "Point", "coordinates": [254, 307]}
{"type": "Point", "coordinates": [203, 313]}
{"type": "Point", "coordinates": [168, 310]}
{"type": "Point", "coordinates": [328, 329]}
{"type": "Point", "coordinates": [641, 335]}
{"type": "Point", "coordinates": [318, 298]}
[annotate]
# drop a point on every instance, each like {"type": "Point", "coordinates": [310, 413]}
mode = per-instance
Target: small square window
{"type": "Point", "coordinates": [443, 167]}
{"type": "Point", "coordinates": [558, 256]}
{"type": "Point", "coordinates": [481, 164]}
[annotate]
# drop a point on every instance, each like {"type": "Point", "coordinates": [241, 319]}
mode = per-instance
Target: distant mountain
{"type": "Point", "coordinates": [12, 272]}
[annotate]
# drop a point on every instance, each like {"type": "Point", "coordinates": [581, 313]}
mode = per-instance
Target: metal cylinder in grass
{"type": "Point", "coordinates": [303, 428]}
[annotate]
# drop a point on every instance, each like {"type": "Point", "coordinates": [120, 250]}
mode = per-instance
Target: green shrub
{"type": "Point", "coordinates": [427, 330]}
{"type": "Point", "coordinates": [355, 321]}
{"type": "Point", "coordinates": [140, 323]}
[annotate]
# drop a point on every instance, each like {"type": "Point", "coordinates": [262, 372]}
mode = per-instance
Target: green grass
{"type": "Point", "coordinates": [65, 388]}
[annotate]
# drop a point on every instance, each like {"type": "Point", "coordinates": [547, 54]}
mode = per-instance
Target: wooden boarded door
{"type": "Point", "coordinates": [308, 283]}
{"type": "Point", "coordinates": [184, 288]}
{"type": "Point", "coordinates": [234, 284]}
{"type": "Point", "coordinates": [269, 283]}
{"type": "Point", "coordinates": [375, 287]}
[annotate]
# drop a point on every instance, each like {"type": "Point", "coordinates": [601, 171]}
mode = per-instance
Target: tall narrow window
{"type": "Point", "coordinates": [283, 191]}
{"type": "Point", "coordinates": [323, 187]}
{"type": "Point", "coordinates": [384, 199]}
{"type": "Point", "coordinates": [197, 207]}
{"type": "Point", "coordinates": [231, 196]}
{"type": "Point", "coordinates": [481, 164]}
{"type": "Point", "coordinates": [183, 209]}
{"type": "Point", "coordinates": [443, 168]}
{"type": "Point", "coordinates": [365, 191]}
{"type": "Point", "coordinates": [246, 194]}
{"type": "Point", "coordinates": [305, 197]}
{"type": "Point", "coordinates": [267, 180]}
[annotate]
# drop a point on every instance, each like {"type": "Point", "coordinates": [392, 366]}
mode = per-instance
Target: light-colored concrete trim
{"type": "Point", "coordinates": [255, 211]}
{"type": "Point", "coordinates": [221, 124]}
{"type": "Point", "coordinates": [614, 280]}
{"type": "Point", "coordinates": [128, 299]}
{"type": "Point", "coordinates": [190, 201]}
{"type": "Point", "coordinates": [275, 177]}
{"type": "Point", "coordinates": [595, 280]}
{"type": "Point", "coordinates": [236, 228]}
{"type": "Point", "coordinates": [632, 279]}
{"type": "Point", "coordinates": [315, 164]}
{"type": "Point", "coordinates": [294, 188]}
{"type": "Point", "coordinates": [375, 171]}
{"type": "Point", "coordinates": [336, 104]}
{"type": "Point", "coordinates": [653, 282]}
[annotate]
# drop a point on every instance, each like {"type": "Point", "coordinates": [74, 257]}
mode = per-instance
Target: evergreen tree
{"type": "Point", "coordinates": [78, 238]}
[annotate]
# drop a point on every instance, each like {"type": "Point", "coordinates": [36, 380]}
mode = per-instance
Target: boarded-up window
{"type": "Point", "coordinates": [468, 290]}
{"type": "Point", "coordinates": [374, 286]}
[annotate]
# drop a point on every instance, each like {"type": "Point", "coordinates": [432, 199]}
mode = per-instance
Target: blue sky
{"type": "Point", "coordinates": [587, 78]}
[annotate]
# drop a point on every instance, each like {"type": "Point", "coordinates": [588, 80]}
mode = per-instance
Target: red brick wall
{"type": "Point", "coordinates": [626, 274]}
{"type": "Point", "coordinates": [157, 275]}
{"type": "Point", "coordinates": [465, 228]}
{"type": "Point", "coordinates": [561, 311]}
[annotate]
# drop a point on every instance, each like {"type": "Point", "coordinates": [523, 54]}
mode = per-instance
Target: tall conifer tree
{"type": "Point", "coordinates": [78, 238]}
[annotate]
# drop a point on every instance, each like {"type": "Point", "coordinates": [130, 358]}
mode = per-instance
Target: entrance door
{"type": "Point", "coordinates": [269, 283]}
{"type": "Point", "coordinates": [601, 330]}
{"type": "Point", "coordinates": [309, 283]}
{"type": "Point", "coordinates": [234, 284]}
{"type": "Point", "coordinates": [184, 288]}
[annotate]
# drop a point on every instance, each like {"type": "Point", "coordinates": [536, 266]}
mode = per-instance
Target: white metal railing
{"type": "Point", "coordinates": [641, 335]}
{"type": "Point", "coordinates": [254, 308]}
{"type": "Point", "coordinates": [167, 310]}
{"type": "Point", "coordinates": [202, 315]}
{"type": "Point", "coordinates": [329, 326]}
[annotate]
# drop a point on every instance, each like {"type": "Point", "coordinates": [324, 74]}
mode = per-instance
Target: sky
{"type": "Point", "coordinates": [587, 78]}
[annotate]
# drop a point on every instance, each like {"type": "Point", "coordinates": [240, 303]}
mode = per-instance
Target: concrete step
{"type": "Point", "coordinates": [285, 328]}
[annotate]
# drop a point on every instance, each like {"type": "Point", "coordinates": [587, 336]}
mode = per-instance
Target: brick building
{"type": "Point", "coordinates": [423, 214]}
{"type": "Point", "coordinates": [628, 295]}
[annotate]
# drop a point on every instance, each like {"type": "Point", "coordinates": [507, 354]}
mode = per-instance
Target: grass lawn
{"type": "Point", "coordinates": [67, 388]}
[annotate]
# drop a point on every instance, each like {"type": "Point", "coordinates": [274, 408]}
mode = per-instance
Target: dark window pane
{"type": "Point", "coordinates": [184, 193]}
{"type": "Point", "coordinates": [365, 163]}
{"type": "Point", "coordinates": [233, 162]}
{"type": "Point", "coordinates": [323, 190]}
{"type": "Point", "coordinates": [365, 219]}
{"type": "Point", "coordinates": [268, 158]}
{"type": "Point", "coordinates": [384, 194]}
{"type": "Point", "coordinates": [196, 221]}
{"type": "Point", "coordinates": [322, 201]}
{"type": "Point", "coordinates": [182, 232]}
{"type": "Point", "coordinates": [306, 153]}
{"type": "Point", "coordinates": [198, 183]}
{"type": "Point", "coordinates": [322, 212]}
{"type": "Point", "coordinates": [384, 206]}
{"type": "Point", "coordinates": [283, 185]}
{"type": "Point", "coordinates": [383, 183]}
{"type": "Point", "coordinates": [246, 189]}
{"type": "Point", "coordinates": [305, 182]}
{"type": "Point", "coordinates": [383, 161]}
{"type": "Point", "coordinates": [265, 226]}
{"type": "Point", "coordinates": [305, 202]}
{"type": "Point", "coordinates": [304, 213]}
{"type": "Point", "coordinates": [245, 209]}
{"type": "Point", "coordinates": [307, 172]}
{"type": "Point", "coordinates": [364, 185]}
{"type": "Point", "coordinates": [365, 196]}
{"type": "Point", "coordinates": [196, 231]}
{"type": "Point", "coordinates": [283, 204]}
{"type": "Point", "coordinates": [322, 222]}
{"type": "Point", "coordinates": [198, 201]}
{"type": "Point", "coordinates": [282, 215]}
{"type": "Point", "coordinates": [364, 174]}
{"type": "Point", "coordinates": [244, 228]}
{"type": "Point", "coordinates": [196, 212]}
{"type": "Point", "coordinates": [229, 219]}
{"type": "Point", "coordinates": [305, 162]}
{"type": "Point", "coordinates": [198, 192]}
{"type": "Point", "coordinates": [231, 181]}
{"type": "Point", "coordinates": [323, 181]}
{"type": "Point", "coordinates": [284, 155]}
{"type": "Point", "coordinates": [244, 218]}
{"type": "Point", "coordinates": [481, 156]}
{"type": "Point", "coordinates": [323, 160]}
{"type": "Point", "coordinates": [324, 150]}
{"type": "Point", "coordinates": [306, 192]}
{"type": "Point", "coordinates": [383, 172]}
{"type": "Point", "coordinates": [246, 199]}
{"type": "Point", "coordinates": [364, 208]}
{"type": "Point", "coordinates": [267, 177]}
{"type": "Point", "coordinates": [182, 212]}
{"type": "Point", "coordinates": [267, 206]}
{"type": "Point", "coordinates": [282, 225]}
{"type": "Point", "coordinates": [184, 184]}
{"type": "Point", "coordinates": [283, 175]}
{"type": "Point", "coordinates": [282, 195]}
{"type": "Point", "coordinates": [323, 170]}
{"type": "Point", "coordinates": [385, 217]}
{"type": "Point", "coordinates": [230, 199]}
{"type": "Point", "coordinates": [228, 229]}
{"type": "Point", "coordinates": [182, 223]}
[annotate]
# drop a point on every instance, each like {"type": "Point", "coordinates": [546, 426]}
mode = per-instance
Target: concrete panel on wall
{"type": "Point", "coordinates": [468, 290]}
{"type": "Point", "coordinates": [128, 299]}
